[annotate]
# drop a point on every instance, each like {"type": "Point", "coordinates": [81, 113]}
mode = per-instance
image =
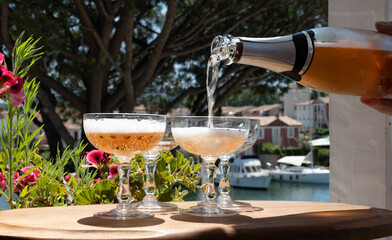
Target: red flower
{"type": "Point", "coordinates": [66, 178]}
{"type": "Point", "coordinates": [2, 181]}
{"type": "Point", "coordinates": [31, 178]}
{"type": "Point", "coordinates": [18, 86]}
{"type": "Point", "coordinates": [97, 159]}
{"type": "Point", "coordinates": [97, 180]}
{"type": "Point", "coordinates": [113, 171]}
{"type": "Point", "coordinates": [10, 86]}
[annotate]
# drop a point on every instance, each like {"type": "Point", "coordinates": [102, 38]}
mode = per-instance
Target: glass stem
{"type": "Point", "coordinates": [149, 186]}
{"type": "Point", "coordinates": [224, 184]}
{"type": "Point", "coordinates": [209, 186]}
{"type": "Point", "coordinates": [124, 190]}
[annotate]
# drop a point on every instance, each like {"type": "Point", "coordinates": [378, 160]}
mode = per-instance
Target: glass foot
{"type": "Point", "coordinates": [234, 204]}
{"type": "Point", "coordinates": [208, 212]}
{"type": "Point", "coordinates": [154, 207]}
{"type": "Point", "coordinates": [122, 214]}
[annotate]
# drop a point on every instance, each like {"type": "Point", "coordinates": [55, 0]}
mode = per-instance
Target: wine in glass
{"type": "Point", "coordinates": [150, 202]}
{"type": "Point", "coordinates": [224, 199]}
{"type": "Point", "coordinates": [209, 137]}
{"type": "Point", "coordinates": [124, 135]}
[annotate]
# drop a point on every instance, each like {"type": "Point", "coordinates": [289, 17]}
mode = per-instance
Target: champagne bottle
{"type": "Point", "coordinates": [329, 59]}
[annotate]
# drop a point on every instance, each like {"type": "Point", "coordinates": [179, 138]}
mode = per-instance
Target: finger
{"type": "Point", "coordinates": [383, 105]}
{"type": "Point", "coordinates": [384, 27]}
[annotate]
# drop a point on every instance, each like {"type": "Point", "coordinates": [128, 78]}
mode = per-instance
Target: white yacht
{"type": "Point", "coordinates": [247, 173]}
{"type": "Point", "coordinates": [295, 172]}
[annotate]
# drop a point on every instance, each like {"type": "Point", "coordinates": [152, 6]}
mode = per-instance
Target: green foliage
{"type": "Point", "coordinates": [164, 73]}
{"type": "Point", "coordinates": [268, 148]}
{"type": "Point", "coordinates": [320, 132]}
{"type": "Point", "coordinates": [169, 172]}
{"type": "Point", "coordinates": [103, 191]}
{"type": "Point", "coordinates": [321, 156]}
{"type": "Point", "coordinates": [315, 94]}
{"type": "Point", "coordinates": [18, 141]}
{"type": "Point", "coordinates": [296, 151]}
{"type": "Point", "coordinates": [253, 97]}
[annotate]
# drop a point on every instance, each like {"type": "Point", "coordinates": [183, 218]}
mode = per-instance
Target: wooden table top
{"type": "Point", "coordinates": [265, 220]}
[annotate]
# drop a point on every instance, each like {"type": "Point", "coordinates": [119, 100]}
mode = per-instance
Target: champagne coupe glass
{"type": "Point", "coordinates": [124, 135]}
{"type": "Point", "coordinates": [209, 137]}
{"type": "Point", "coordinates": [224, 199]}
{"type": "Point", "coordinates": [150, 202]}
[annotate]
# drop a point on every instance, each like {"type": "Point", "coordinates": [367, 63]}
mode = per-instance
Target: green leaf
{"type": "Point", "coordinates": [42, 181]}
{"type": "Point", "coordinates": [197, 167]}
{"type": "Point", "coordinates": [56, 189]}
{"type": "Point", "coordinates": [166, 196]}
{"type": "Point", "coordinates": [165, 175]}
{"type": "Point", "coordinates": [180, 159]}
{"type": "Point", "coordinates": [160, 165]}
{"type": "Point", "coordinates": [173, 165]}
{"type": "Point", "coordinates": [106, 190]}
{"type": "Point", "coordinates": [3, 194]}
{"type": "Point", "coordinates": [86, 197]}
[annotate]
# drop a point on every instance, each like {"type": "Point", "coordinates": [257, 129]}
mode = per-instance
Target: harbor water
{"type": "Point", "coordinates": [283, 191]}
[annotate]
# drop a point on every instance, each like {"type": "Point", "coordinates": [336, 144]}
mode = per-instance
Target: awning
{"type": "Point", "coordinates": [320, 142]}
{"type": "Point", "coordinates": [296, 160]}
{"type": "Point", "coordinates": [292, 160]}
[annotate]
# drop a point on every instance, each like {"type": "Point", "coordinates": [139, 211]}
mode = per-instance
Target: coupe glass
{"type": "Point", "coordinates": [209, 137]}
{"type": "Point", "coordinates": [124, 135]}
{"type": "Point", "coordinates": [224, 199]}
{"type": "Point", "coordinates": [150, 202]}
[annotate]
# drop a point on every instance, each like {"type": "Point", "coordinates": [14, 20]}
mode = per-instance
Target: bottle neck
{"type": "Point", "coordinates": [288, 55]}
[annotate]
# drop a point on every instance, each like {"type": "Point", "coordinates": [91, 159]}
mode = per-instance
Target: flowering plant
{"type": "Point", "coordinates": [28, 180]}
{"type": "Point", "coordinates": [10, 85]}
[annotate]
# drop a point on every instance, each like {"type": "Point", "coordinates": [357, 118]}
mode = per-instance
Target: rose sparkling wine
{"type": "Point", "coordinates": [124, 135]}
{"type": "Point", "coordinates": [206, 141]}
{"type": "Point", "coordinates": [329, 59]}
{"type": "Point", "coordinates": [209, 137]}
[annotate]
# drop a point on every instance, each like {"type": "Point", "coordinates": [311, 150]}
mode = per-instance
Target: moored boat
{"type": "Point", "coordinates": [247, 173]}
{"type": "Point", "coordinates": [296, 172]}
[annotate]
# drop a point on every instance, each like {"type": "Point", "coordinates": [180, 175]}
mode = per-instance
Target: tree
{"type": "Point", "coordinates": [102, 56]}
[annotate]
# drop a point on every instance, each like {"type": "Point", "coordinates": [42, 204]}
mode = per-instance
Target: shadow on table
{"type": "Point", "coordinates": [92, 221]}
{"type": "Point", "coordinates": [223, 220]}
{"type": "Point", "coordinates": [347, 224]}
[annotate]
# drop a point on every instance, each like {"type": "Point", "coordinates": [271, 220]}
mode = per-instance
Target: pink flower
{"type": "Point", "coordinates": [66, 178]}
{"type": "Point", "coordinates": [2, 180]}
{"type": "Point", "coordinates": [10, 85]}
{"type": "Point", "coordinates": [113, 171]}
{"type": "Point", "coordinates": [16, 88]}
{"type": "Point", "coordinates": [3, 69]}
{"type": "Point", "coordinates": [97, 180]}
{"type": "Point", "coordinates": [31, 178]}
{"type": "Point", "coordinates": [97, 159]}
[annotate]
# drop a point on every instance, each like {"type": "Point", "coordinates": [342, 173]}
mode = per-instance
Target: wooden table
{"type": "Point", "coordinates": [266, 220]}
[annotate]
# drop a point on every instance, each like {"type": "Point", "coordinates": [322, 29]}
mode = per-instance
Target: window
{"type": "Point", "coordinates": [261, 133]}
{"type": "Point", "coordinates": [290, 132]}
{"type": "Point", "coordinates": [276, 139]}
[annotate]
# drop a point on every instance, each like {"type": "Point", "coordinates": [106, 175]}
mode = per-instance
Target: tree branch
{"type": "Point", "coordinates": [36, 70]}
{"type": "Point", "coordinates": [161, 41]}
{"type": "Point", "coordinates": [129, 95]}
{"type": "Point", "coordinates": [181, 97]}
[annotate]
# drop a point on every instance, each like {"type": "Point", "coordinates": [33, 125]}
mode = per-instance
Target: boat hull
{"type": "Point", "coordinates": [302, 177]}
{"type": "Point", "coordinates": [252, 182]}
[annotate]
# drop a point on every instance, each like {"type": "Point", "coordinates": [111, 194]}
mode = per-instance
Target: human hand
{"type": "Point", "coordinates": [383, 105]}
